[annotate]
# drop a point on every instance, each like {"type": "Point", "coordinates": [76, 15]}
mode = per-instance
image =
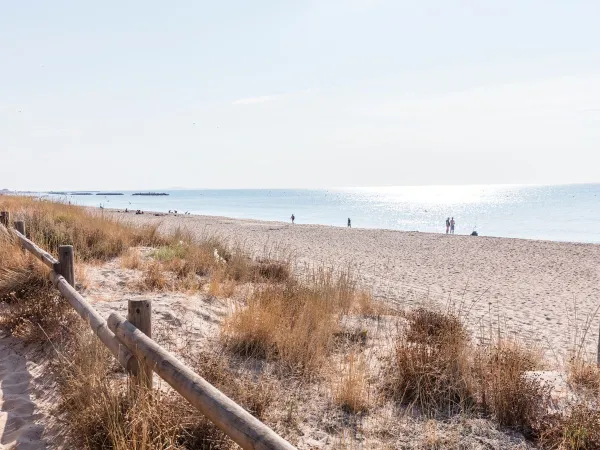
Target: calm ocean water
{"type": "Point", "coordinates": [561, 213]}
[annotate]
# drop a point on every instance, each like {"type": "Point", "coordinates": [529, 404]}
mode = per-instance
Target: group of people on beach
{"type": "Point", "coordinates": [450, 225]}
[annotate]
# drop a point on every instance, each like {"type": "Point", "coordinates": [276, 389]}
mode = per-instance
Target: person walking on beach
{"type": "Point", "coordinates": [349, 223]}
{"type": "Point", "coordinates": [447, 225]}
{"type": "Point", "coordinates": [452, 226]}
{"type": "Point", "coordinates": [293, 218]}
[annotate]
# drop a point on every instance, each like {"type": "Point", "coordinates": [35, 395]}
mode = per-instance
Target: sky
{"type": "Point", "coordinates": [294, 94]}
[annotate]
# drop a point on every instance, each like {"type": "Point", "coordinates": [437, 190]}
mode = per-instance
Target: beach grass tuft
{"type": "Point", "coordinates": [430, 366]}
{"type": "Point", "coordinates": [293, 322]}
{"type": "Point", "coordinates": [515, 399]}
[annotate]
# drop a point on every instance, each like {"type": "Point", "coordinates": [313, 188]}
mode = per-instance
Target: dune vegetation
{"type": "Point", "coordinates": [308, 352]}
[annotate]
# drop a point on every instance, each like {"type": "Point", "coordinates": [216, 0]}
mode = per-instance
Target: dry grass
{"type": "Point", "coordinates": [579, 429]}
{"type": "Point", "coordinates": [366, 306]}
{"type": "Point", "coordinates": [103, 413]}
{"type": "Point", "coordinates": [210, 255]}
{"type": "Point", "coordinates": [153, 278]}
{"type": "Point", "coordinates": [436, 368]}
{"type": "Point", "coordinates": [131, 259]}
{"type": "Point", "coordinates": [292, 322]}
{"type": "Point", "coordinates": [431, 364]}
{"type": "Point", "coordinates": [432, 327]}
{"type": "Point", "coordinates": [94, 236]}
{"type": "Point", "coordinates": [214, 287]}
{"type": "Point", "coordinates": [220, 286]}
{"type": "Point", "coordinates": [190, 283]}
{"type": "Point", "coordinates": [192, 260]}
{"type": "Point", "coordinates": [35, 310]}
{"type": "Point", "coordinates": [251, 388]}
{"type": "Point", "coordinates": [274, 271]}
{"type": "Point", "coordinates": [585, 375]}
{"type": "Point", "coordinates": [351, 390]}
{"type": "Point", "coordinates": [82, 280]}
{"type": "Point", "coordinates": [254, 393]}
{"type": "Point", "coordinates": [515, 400]}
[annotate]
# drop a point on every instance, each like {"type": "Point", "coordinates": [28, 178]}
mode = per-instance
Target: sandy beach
{"type": "Point", "coordinates": [545, 293]}
{"type": "Point", "coordinates": [540, 291]}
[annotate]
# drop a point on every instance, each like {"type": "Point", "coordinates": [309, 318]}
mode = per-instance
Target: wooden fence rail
{"type": "Point", "coordinates": [134, 349]}
{"type": "Point", "coordinates": [239, 425]}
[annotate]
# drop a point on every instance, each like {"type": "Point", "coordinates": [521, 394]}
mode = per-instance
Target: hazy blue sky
{"type": "Point", "coordinates": [148, 94]}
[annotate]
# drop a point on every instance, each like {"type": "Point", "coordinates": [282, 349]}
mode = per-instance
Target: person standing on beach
{"type": "Point", "coordinates": [452, 226]}
{"type": "Point", "coordinates": [293, 218]}
{"type": "Point", "coordinates": [447, 225]}
{"type": "Point", "coordinates": [349, 223]}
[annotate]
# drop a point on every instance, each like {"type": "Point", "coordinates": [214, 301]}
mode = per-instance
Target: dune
{"type": "Point", "coordinates": [542, 291]}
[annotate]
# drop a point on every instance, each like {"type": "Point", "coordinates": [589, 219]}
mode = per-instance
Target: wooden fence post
{"type": "Point", "coordinates": [5, 218]}
{"type": "Point", "coordinates": [67, 263]}
{"type": "Point", "coordinates": [139, 313]}
{"type": "Point", "coordinates": [20, 226]}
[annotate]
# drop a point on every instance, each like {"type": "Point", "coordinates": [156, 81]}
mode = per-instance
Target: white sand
{"type": "Point", "coordinates": [535, 289]}
{"type": "Point", "coordinates": [530, 287]}
{"type": "Point", "coordinates": [22, 420]}
{"type": "Point", "coordinates": [186, 322]}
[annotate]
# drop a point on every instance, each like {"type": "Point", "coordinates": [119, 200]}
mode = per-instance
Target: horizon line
{"type": "Point", "coordinates": [302, 188]}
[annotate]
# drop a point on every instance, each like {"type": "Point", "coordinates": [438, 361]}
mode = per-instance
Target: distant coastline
{"type": "Point", "coordinates": [151, 194]}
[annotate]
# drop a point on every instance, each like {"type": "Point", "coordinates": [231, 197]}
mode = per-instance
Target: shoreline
{"type": "Point", "coordinates": [319, 225]}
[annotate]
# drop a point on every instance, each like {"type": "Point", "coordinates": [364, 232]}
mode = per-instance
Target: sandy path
{"type": "Point", "coordinates": [531, 287]}
{"type": "Point", "coordinates": [20, 420]}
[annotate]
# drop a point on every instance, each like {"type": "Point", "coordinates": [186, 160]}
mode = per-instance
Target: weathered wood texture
{"type": "Point", "coordinates": [66, 258]}
{"type": "Point", "coordinates": [91, 316]}
{"type": "Point", "coordinates": [246, 430]}
{"type": "Point", "coordinates": [20, 227]}
{"type": "Point", "coordinates": [139, 313]}
{"type": "Point", "coordinates": [43, 255]}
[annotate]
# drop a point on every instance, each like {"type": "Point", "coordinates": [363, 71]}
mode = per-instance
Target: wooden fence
{"type": "Point", "coordinates": [130, 342]}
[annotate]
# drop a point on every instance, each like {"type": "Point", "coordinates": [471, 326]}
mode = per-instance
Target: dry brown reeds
{"type": "Point", "coordinates": [95, 237]}
{"type": "Point", "coordinates": [292, 322]}
{"type": "Point", "coordinates": [515, 399]}
{"type": "Point", "coordinates": [254, 392]}
{"type": "Point", "coordinates": [430, 367]}
{"type": "Point", "coordinates": [131, 259]}
{"type": "Point", "coordinates": [351, 389]}
{"type": "Point", "coordinates": [585, 375]}
{"type": "Point", "coordinates": [35, 311]}
{"type": "Point", "coordinates": [102, 413]}
{"type": "Point", "coordinates": [153, 278]}
{"type": "Point", "coordinates": [578, 429]}
{"type": "Point", "coordinates": [209, 254]}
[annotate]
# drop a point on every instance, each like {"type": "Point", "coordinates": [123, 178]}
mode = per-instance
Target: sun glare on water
{"type": "Point", "coordinates": [436, 194]}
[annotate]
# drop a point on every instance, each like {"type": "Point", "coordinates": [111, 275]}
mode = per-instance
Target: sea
{"type": "Point", "coordinates": [557, 213]}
